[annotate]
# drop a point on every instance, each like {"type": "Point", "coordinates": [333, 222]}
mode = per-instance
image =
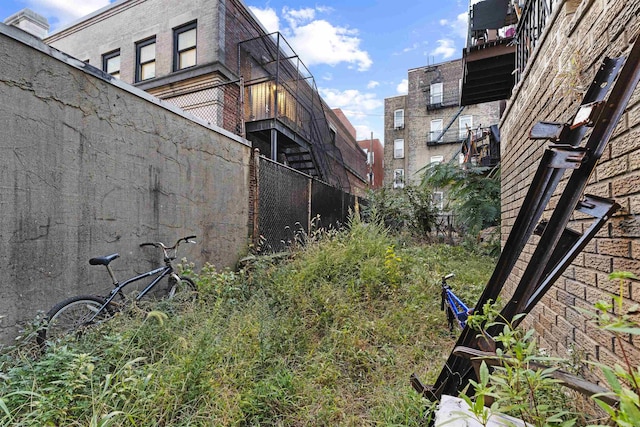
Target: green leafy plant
{"type": "Point", "coordinates": [409, 209]}
{"type": "Point", "coordinates": [622, 379]}
{"type": "Point", "coordinates": [521, 384]}
{"type": "Point", "coordinates": [473, 193]}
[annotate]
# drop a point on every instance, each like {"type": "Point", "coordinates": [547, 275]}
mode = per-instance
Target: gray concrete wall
{"type": "Point", "coordinates": [91, 166]}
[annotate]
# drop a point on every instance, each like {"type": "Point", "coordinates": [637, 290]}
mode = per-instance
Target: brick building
{"type": "Point", "coordinates": [215, 60]}
{"type": "Point", "coordinates": [560, 46]}
{"type": "Point", "coordinates": [375, 161]}
{"type": "Point", "coordinates": [429, 125]}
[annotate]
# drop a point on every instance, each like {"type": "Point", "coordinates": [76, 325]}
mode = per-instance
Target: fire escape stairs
{"type": "Point", "coordinates": [446, 128]}
{"type": "Point", "coordinates": [301, 159]}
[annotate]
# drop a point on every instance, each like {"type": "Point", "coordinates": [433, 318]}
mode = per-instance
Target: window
{"type": "Point", "coordinates": [111, 63]}
{"type": "Point", "coordinates": [146, 59]}
{"type": "Point", "coordinates": [398, 149]}
{"type": "Point", "coordinates": [437, 159]}
{"type": "Point", "coordinates": [465, 123]}
{"type": "Point", "coordinates": [438, 199]}
{"type": "Point", "coordinates": [436, 93]}
{"type": "Point", "coordinates": [398, 119]}
{"type": "Point", "coordinates": [184, 46]}
{"type": "Point", "coordinates": [371, 178]}
{"type": "Point", "coordinates": [398, 178]}
{"type": "Point", "coordinates": [332, 133]}
{"type": "Point", "coordinates": [370, 157]}
{"type": "Point", "coordinates": [436, 130]}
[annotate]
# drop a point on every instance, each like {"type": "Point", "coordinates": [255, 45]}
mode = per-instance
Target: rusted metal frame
{"type": "Point", "coordinates": [608, 117]}
{"type": "Point", "coordinates": [457, 371]}
{"type": "Point", "coordinates": [602, 210]}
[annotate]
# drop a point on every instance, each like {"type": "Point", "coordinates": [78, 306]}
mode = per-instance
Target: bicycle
{"type": "Point", "coordinates": [455, 307]}
{"type": "Point", "coordinates": [80, 311]}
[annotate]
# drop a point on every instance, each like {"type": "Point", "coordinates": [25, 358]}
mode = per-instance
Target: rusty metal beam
{"type": "Point", "coordinates": [557, 246]}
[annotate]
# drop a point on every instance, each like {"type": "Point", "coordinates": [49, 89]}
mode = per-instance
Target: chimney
{"type": "Point", "coordinates": [29, 21]}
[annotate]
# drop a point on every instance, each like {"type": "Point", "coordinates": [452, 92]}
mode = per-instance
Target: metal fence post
{"type": "Point", "coordinates": [256, 197]}
{"type": "Point", "coordinates": [310, 196]}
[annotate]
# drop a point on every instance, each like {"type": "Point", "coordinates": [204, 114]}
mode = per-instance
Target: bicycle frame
{"type": "Point", "coordinates": [457, 308]}
{"type": "Point", "coordinates": [162, 272]}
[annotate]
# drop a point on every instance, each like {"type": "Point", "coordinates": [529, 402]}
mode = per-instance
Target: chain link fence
{"type": "Point", "coordinates": [288, 204]}
{"type": "Point", "coordinates": [217, 103]}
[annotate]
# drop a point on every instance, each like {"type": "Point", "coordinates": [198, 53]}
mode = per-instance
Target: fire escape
{"type": "Point", "coordinates": [489, 57]}
{"type": "Point", "coordinates": [284, 113]}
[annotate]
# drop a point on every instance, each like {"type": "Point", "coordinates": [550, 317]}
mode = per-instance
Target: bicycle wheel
{"type": "Point", "coordinates": [182, 291]}
{"type": "Point", "coordinates": [71, 315]}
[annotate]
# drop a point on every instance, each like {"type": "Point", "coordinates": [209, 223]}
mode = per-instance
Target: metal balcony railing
{"type": "Point", "coordinates": [533, 19]}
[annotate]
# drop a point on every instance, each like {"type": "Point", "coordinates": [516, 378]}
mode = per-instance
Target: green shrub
{"type": "Point", "coordinates": [325, 336]}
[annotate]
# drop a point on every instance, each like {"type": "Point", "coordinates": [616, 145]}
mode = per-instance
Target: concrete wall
{"type": "Point", "coordinates": [577, 38]}
{"type": "Point", "coordinates": [91, 166]}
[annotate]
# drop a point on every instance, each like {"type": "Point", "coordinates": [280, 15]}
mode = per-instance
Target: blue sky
{"type": "Point", "coordinates": [359, 51]}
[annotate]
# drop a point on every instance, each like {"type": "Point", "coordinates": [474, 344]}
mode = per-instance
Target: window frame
{"type": "Point", "coordinates": [440, 93]}
{"type": "Point", "coordinates": [398, 123]}
{"type": "Point", "coordinates": [105, 62]}
{"type": "Point", "coordinates": [462, 132]}
{"type": "Point", "coordinates": [440, 203]}
{"type": "Point", "coordinates": [139, 64]}
{"type": "Point", "coordinates": [176, 48]}
{"type": "Point", "coordinates": [432, 136]}
{"type": "Point", "coordinates": [398, 183]}
{"type": "Point", "coordinates": [397, 142]}
{"type": "Point", "coordinates": [436, 159]}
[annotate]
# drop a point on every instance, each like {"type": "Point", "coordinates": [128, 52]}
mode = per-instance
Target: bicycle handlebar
{"type": "Point", "coordinates": [164, 247]}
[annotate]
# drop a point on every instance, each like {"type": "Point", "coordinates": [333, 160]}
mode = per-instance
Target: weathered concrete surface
{"type": "Point", "coordinates": [89, 167]}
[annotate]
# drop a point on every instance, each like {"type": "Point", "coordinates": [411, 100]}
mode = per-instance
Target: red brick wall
{"type": "Point", "coordinates": [579, 36]}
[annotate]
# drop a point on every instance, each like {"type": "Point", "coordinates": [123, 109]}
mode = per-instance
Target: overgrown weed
{"type": "Point", "coordinates": [327, 336]}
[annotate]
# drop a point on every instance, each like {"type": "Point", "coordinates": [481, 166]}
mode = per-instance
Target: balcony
{"type": "Point", "coordinates": [490, 56]}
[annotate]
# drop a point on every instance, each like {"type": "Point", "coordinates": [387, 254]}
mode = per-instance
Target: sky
{"type": "Point", "coordinates": [358, 51]}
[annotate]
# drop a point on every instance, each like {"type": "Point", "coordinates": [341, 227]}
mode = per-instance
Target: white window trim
{"type": "Point", "coordinates": [436, 93]}
{"type": "Point", "coordinates": [398, 123]}
{"type": "Point", "coordinates": [462, 130]}
{"type": "Point", "coordinates": [433, 134]}
{"type": "Point", "coordinates": [437, 159]}
{"type": "Point", "coordinates": [398, 149]}
{"type": "Point", "coordinates": [398, 183]}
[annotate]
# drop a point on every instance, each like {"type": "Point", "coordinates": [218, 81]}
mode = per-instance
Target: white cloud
{"type": "Point", "coordinates": [267, 17]}
{"type": "Point", "coordinates": [359, 107]}
{"type": "Point", "coordinates": [372, 84]}
{"type": "Point", "coordinates": [66, 11]}
{"type": "Point", "coordinates": [317, 41]}
{"type": "Point", "coordinates": [462, 25]}
{"type": "Point", "coordinates": [459, 26]}
{"type": "Point", "coordinates": [403, 87]}
{"type": "Point", "coordinates": [445, 49]}
{"type": "Point", "coordinates": [298, 16]}
{"type": "Point", "coordinates": [351, 101]}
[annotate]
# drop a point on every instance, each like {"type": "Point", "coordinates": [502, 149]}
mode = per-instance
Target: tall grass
{"type": "Point", "coordinates": [328, 336]}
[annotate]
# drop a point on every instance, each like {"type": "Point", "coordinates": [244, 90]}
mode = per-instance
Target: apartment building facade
{"type": "Point", "coordinates": [215, 60]}
{"type": "Point", "coordinates": [428, 125]}
{"type": "Point", "coordinates": [374, 150]}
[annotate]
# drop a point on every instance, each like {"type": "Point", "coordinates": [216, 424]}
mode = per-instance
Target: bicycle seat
{"type": "Point", "coordinates": [103, 260]}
